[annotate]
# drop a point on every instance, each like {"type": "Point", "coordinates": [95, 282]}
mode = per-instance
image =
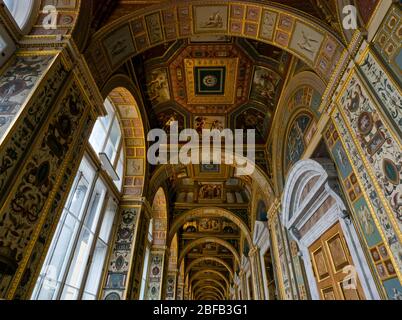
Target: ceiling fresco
{"type": "Point", "coordinates": [214, 66]}
{"type": "Point", "coordinates": [213, 82]}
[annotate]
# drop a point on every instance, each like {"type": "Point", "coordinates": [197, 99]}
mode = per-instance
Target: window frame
{"type": "Point", "coordinates": [119, 148]}
{"type": "Point", "coordinates": [110, 193]}
{"type": "Point", "coordinates": [23, 13]}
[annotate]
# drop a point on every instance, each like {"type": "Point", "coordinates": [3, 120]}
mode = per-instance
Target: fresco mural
{"type": "Point", "coordinates": [265, 85]}
{"type": "Point", "coordinates": [119, 45]}
{"type": "Point", "coordinates": [209, 123]}
{"type": "Point", "coordinates": [295, 142]}
{"type": "Point", "coordinates": [251, 119]}
{"type": "Point", "coordinates": [387, 39]}
{"type": "Point", "coordinates": [120, 259]}
{"type": "Point", "coordinates": [386, 90]}
{"type": "Point", "coordinates": [158, 86]}
{"type": "Point", "coordinates": [376, 141]}
{"type": "Point", "coordinates": [166, 117]}
{"type": "Point", "coordinates": [209, 19]}
{"type": "Point", "coordinates": [16, 84]}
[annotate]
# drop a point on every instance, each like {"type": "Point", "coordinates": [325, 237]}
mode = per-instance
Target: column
{"type": "Point", "coordinates": [256, 273]}
{"type": "Point", "coordinates": [42, 141]}
{"type": "Point", "coordinates": [156, 271]}
{"type": "Point", "coordinates": [127, 258]}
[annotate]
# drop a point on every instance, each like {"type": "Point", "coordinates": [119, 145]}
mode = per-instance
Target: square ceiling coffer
{"type": "Point", "coordinates": [211, 81]}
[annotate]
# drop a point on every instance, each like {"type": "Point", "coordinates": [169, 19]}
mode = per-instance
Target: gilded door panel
{"type": "Point", "coordinates": [329, 256]}
{"type": "Point", "coordinates": [320, 264]}
{"type": "Point", "coordinates": [337, 252]}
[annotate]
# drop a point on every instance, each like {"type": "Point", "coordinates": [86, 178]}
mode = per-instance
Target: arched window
{"type": "Point", "coordinates": [76, 258]}
{"type": "Point", "coordinates": [106, 140]}
{"type": "Point", "coordinates": [22, 11]}
{"type": "Point", "coordinates": [145, 269]}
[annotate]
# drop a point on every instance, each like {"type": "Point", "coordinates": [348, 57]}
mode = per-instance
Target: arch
{"type": "Point", "coordinates": [179, 18]}
{"type": "Point", "coordinates": [209, 294]}
{"type": "Point", "coordinates": [209, 298]}
{"type": "Point", "coordinates": [24, 12]}
{"type": "Point", "coordinates": [261, 214]}
{"type": "Point", "coordinates": [301, 174]}
{"type": "Point", "coordinates": [121, 93]}
{"type": "Point", "coordinates": [208, 289]}
{"type": "Point", "coordinates": [167, 171]}
{"type": "Point", "coordinates": [208, 286]}
{"type": "Point", "coordinates": [305, 90]}
{"type": "Point", "coordinates": [312, 192]}
{"type": "Point", "coordinates": [219, 274]}
{"type": "Point", "coordinates": [201, 281]}
{"type": "Point", "coordinates": [207, 212]}
{"type": "Point", "coordinates": [298, 126]}
{"type": "Point", "coordinates": [203, 240]}
{"type": "Point", "coordinates": [201, 259]}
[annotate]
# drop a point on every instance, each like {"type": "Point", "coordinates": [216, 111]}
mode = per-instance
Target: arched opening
{"type": "Point", "coordinates": [74, 262]}
{"type": "Point", "coordinates": [330, 247]}
{"type": "Point", "coordinates": [23, 12]}
{"type": "Point", "coordinates": [158, 255]}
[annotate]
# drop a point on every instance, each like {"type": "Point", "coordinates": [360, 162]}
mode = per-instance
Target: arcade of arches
{"type": "Point", "coordinates": [84, 215]}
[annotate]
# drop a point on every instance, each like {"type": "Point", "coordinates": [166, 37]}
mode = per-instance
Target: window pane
{"type": "Point", "coordinates": [95, 271]}
{"type": "Point", "coordinates": [79, 262]}
{"type": "Point", "coordinates": [98, 137]}
{"type": "Point", "coordinates": [55, 265]}
{"type": "Point", "coordinates": [95, 206]}
{"type": "Point", "coordinates": [110, 113]}
{"type": "Point", "coordinates": [115, 133]}
{"type": "Point", "coordinates": [110, 151]}
{"type": "Point", "coordinates": [70, 293]}
{"type": "Point", "coordinates": [108, 220]}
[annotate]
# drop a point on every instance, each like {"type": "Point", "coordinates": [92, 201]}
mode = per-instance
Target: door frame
{"type": "Point", "coordinates": [310, 185]}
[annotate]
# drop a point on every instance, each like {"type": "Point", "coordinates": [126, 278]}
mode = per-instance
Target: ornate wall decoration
{"type": "Point", "coordinates": [158, 86]}
{"type": "Point", "coordinates": [306, 41]}
{"type": "Point", "coordinates": [296, 140]}
{"type": "Point", "coordinates": [299, 272]}
{"type": "Point", "coordinates": [155, 276]}
{"type": "Point", "coordinates": [388, 39]}
{"type": "Point", "coordinates": [378, 145]}
{"type": "Point", "coordinates": [386, 90]}
{"type": "Point", "coordinates": [309, 41]}
{"type": "Point", "coordinates": [133, 133]}
{"type": "Point", "coordinates": [265, 86]}
{"type": "Point", "coordinates": [383, 223]}
{"type": "Point", "coordinates": [40, 249]}
{"type": "Point", "coordinates": [66, 20]}
{"type": "Point", "coordinates": [373, 242]}
{"type": "Point", "coordinates": [17, 82]}
{"type": "Point", "coordinates": [119, 45]}
{"type": "Point", "coordinates": [120, 260]}
{"type": "Point", "coordinates": [212, 19]}
{"type": "Point", "coordinates": [39, 176]}
{"type": "Point", "coordinates": [33, 191]}
{"type": "Point", "coordinates": [170, 287]}
{"type": "Point", "coordinates": [281, 260]}
{"type": "Point", "coordinates": [24, 131]}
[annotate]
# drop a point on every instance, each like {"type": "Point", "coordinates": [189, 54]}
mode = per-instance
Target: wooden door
{"type": "Point", "coordinates": [330, 255]}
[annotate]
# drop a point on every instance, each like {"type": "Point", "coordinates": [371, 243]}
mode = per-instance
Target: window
{"type": "Point", "coordinates": [146, 262]}
{"type": "Point", "coordinates": [22, 12]}
{"type": "Point", "coordinates": [106, 139]}
{"type": "Point", "coordinates": [7, 45]}
{"type": "Point", "coordinates": [76, 258]}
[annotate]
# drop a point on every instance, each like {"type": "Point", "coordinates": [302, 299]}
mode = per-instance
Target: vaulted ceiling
{"type": "Point", "coordinates": [212, 82]}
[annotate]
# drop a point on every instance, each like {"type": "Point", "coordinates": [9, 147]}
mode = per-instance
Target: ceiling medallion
{"type": "Point", "coordinates": [211, 81]}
